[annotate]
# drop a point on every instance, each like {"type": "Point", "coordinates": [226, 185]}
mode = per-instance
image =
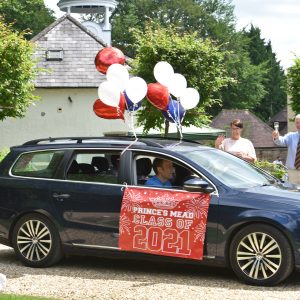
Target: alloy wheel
{"type": "Point", "coordinates": [34, 240]}
{"type": "Point", "coordinates": [259, 256]}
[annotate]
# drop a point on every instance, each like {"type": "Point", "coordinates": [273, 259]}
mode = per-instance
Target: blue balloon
{"type": "Point", "coordinates": [130, 105]}
{"type": "Point", "coordinates": [175, 112]}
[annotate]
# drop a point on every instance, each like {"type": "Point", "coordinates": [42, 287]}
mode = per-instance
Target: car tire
{"type": "Point", "coordinates": [261, 255]}
{"type": "Point", "coordinates": [36, 241]}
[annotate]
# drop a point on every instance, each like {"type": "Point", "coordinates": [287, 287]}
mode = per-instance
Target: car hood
{"type": "Point", "coordinates": [276, 194]}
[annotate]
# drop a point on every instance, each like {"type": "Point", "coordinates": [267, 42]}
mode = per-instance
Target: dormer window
{"type": "Point", "coordinates": [55, 54]}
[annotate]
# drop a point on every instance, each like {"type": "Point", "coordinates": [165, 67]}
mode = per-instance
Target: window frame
{"type": "Point", "coordinates": [94, 151]}
{"type": "Point", "coordinates": [56, 171]}
{"type": "Point", "coordinates": [168, 156]}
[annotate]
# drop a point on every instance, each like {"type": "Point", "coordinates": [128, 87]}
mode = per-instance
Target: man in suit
{"type": "Point", "coordinates": [292, 141]}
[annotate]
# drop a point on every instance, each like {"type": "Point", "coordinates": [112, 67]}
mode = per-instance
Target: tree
{"type": "Point", "coordinates": [17, 72]}
{"type": "Point", "coordinates": [209, 18]}
{"type": "Point", "coordinates": [30, 15]}
{"type": "Point", "coordinates": [293, 76]}
{"type": "Point", "coordinates": [200, 61]}
{"type": "Point", "coordinates": [274, 82]}
{"type": "Point", "coordinates": [218, 21]}
{"type": "Point", "coordinates": [246, 89]}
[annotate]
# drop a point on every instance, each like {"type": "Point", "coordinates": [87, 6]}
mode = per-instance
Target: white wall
{"type": "Point", "coordinates": [75, 119]}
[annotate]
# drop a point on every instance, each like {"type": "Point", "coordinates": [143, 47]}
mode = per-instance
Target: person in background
{"type": "Point", "coordinates": [278, 161]}
{"type": "Point", "coordinates": [115, 161]}
{"type": "Point", "coordinates": [237, 145]}
{"type": "Point", "coordinates": [163, 173]}
{"type": "Point", "coordinates": [292, 141]}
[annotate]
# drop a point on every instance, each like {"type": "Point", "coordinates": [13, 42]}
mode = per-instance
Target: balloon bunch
{"type": "Point", "coordinates": [118, 92]}
{"type": "Point", "coordinates": [175, 84]}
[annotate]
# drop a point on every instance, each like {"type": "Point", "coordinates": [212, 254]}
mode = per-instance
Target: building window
{"type": "Point", "coordinates": [54, 54]}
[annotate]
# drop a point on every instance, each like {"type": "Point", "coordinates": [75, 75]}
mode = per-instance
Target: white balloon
{"type": "Point", "coordinates": [177, 85]}
{"type": "Point", "coordinates": [136, 89]}
{"type": "Point", "coordinates": [119, 75]}
{"type": "Point", "coordinates": [163, 72]}
{"type": "Point", "coordinates": [189, 98]}
{"type": "Point", "coordinates": [109, 93]}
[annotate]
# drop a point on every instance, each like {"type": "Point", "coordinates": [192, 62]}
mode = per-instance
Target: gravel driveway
{"type": "Point", "coordinates": [97, 278]}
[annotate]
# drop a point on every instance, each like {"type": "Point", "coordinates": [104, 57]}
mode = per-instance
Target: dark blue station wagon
{"type": "Point", "coordinates": [63, 196]}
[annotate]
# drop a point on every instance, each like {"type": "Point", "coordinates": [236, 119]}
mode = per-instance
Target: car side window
{"type": "Point", "coordinates": [94, 167]}
{"type": "Point", "coordinates": [160, 172]}
{"type": "Point", "coordinates": [42, 164]}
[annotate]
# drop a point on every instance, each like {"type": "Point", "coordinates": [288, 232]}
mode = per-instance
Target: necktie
{"type": "Point", "coordinates": [297, 159]}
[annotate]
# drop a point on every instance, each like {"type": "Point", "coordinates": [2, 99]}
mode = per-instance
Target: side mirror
{"type": "Point", "coordinates": [198, 185]}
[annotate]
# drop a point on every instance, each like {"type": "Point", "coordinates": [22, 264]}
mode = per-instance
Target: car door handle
{"type": "Point", "coordinates": [60, 196]}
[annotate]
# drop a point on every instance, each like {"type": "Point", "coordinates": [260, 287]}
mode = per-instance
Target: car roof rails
{"type": "Point", "coordinates": [145, 140]}
{"type": "Point", "coordinates": [72, 140]}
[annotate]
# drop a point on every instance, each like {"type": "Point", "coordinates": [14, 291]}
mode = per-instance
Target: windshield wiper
{"type": "Point", "coordinates": [270, 183]}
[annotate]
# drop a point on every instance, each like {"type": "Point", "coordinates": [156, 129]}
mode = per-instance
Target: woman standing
{"type": "Point", "coordinates": [237, 145]}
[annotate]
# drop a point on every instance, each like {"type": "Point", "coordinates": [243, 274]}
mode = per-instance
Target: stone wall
{"type": "Point", "coordinates": [270, 154]}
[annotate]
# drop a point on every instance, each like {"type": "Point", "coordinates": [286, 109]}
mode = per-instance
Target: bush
{"type": "Point", "coordinates": [18, 72]}
{"type": "Point", "coordinates": [276, 170]}
{"type": "Point", "coordinates": [3, 153]}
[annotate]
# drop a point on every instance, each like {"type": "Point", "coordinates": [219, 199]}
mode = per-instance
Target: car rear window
{"type": "Point", "coordinates": [98, 166]}
{"type": "Point", "coordinates": [41, 164]}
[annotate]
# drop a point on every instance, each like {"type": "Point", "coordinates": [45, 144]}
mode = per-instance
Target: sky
{"type": "Point", "coordinates": [278, 21]}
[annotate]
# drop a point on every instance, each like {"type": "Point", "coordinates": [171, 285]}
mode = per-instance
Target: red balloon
{"type": "Point", "coordinates": [108, 56]}
{"type": "Point", "coordinates": [110, 112]}
{"type": "Point", "coordinates": [158, 95]}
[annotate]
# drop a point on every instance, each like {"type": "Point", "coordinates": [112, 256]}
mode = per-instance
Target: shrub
{"type": "Point", "coordinates": [276, 170]}
{"type": "Point", "coordinates": [3, 153]}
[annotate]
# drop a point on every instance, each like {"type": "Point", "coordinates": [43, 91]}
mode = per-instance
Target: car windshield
{"type": "Point", "coordinates": [230, 170]}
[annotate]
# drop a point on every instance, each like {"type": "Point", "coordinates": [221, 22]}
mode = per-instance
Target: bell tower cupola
{"type": "Point", "coordinates": [103, 7]}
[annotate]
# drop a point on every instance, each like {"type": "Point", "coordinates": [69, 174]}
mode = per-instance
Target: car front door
{"type": "Point", "coordinates": [142, 160]}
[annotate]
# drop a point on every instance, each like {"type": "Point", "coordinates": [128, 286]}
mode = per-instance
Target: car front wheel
{"type": "Point", "coordinates": [36, 241]}
{"type": "Point", "coordinates": [261, 255]}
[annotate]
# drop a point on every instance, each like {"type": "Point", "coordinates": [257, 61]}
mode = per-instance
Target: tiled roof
{"type": "Point", "coordinates": [280, 117]}
{"type": "Point", "coordinates": [254, 128]}
{"type": "Point", "coordinates": [79, 45]}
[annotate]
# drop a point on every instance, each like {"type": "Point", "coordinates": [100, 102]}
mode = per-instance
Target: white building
{"type": "Point", "coordinates": [67, 49]}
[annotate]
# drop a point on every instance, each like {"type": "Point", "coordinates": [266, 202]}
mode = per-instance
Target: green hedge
{"type": "Point", "coordinates": [274, 169]}
{"type": "Point", "coordinates": [3, 153]}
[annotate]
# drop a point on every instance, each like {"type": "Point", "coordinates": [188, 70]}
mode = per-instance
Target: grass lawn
{"type": "Point", "coordinates": [17, 297]}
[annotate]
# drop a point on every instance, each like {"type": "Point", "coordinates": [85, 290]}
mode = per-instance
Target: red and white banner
{"type": "Point", "coordinates": [163, 222]}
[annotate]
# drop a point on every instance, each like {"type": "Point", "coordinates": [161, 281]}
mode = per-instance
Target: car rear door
{"type": "Point", "coordinates": [89, 199]}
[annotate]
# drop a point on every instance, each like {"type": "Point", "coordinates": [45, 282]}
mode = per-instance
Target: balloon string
{"type": "Point", "coordinates": [132, 124]}
{"type": "Point", "coordinates": [176, 120]}
{"type": "Point", "coordinates": [132, 127]}
{"type": "Point", "coordinates": [124, 186]}
{"type": "Point", "coordinates": [178, 125]}
{"type": "Point", "coordinates": [132, 143]}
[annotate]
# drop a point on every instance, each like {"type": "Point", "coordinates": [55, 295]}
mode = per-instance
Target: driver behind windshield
{"type": "Point", "coordinates": [163, 173]}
